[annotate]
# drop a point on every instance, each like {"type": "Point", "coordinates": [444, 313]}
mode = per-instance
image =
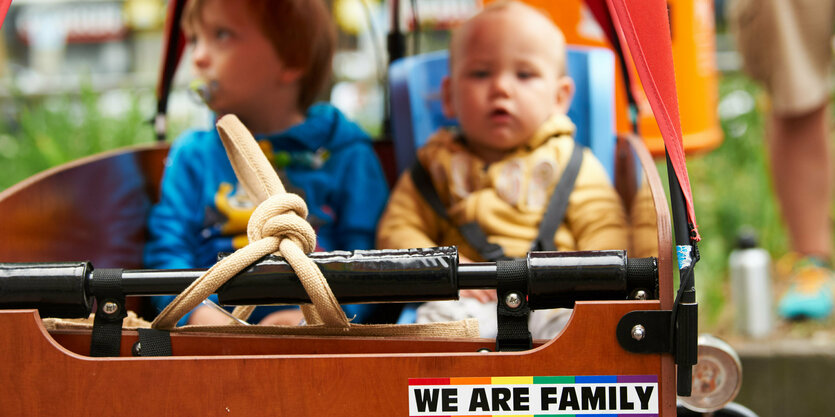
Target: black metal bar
{"type": "Point", "coordinates": [396, 40]}
{"type": "Point", "coordinates": [580, 276]}
{"type": "Point", "coordinates": [557, 279]}
{"type": "Point", "coordinates": [158, 281]}
{"type": "Point", "coordinates": [354, 277]}
{"type": "Point", "coordinates": [684, 323]}
{"type": "Point", "coordinates": [57, 289]}
{"type": "Point", "coordinates": [679, 208]}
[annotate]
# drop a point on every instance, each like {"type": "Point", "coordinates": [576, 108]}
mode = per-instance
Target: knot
{"type": "Point", "coordinates": [282, 216]}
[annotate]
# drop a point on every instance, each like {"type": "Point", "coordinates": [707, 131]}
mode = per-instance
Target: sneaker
{"type": "Point", "coordinates": [810, 291]}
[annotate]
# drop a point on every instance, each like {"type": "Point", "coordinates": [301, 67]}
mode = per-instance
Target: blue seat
{"type": "Point", "coordinates": [415, 81]}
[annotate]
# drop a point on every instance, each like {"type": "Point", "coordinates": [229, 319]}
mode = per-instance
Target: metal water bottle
{"type": "Point", "coordinates": [750, 269]}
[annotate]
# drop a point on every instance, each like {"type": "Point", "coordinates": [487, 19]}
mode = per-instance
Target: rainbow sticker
{"type": "Point", "coordinates": [535, 396]}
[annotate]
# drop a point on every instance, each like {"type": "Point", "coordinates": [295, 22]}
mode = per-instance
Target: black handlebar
{"type": "Point", "coordinates": [555, 279]}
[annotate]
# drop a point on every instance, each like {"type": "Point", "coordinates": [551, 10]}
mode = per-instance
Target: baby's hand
{"type": "Point", "coordinates": [283, 318]}
{"type": "Point", "coordinates": [208, 316]}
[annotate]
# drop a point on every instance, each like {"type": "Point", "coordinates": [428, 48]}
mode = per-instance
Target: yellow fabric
{"type": "Point", "coordinates": [507, 198]}
{"type": "Point", "coordinates": [644, 225]}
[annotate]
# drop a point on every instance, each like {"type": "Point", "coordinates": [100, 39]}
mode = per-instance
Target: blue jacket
{"type": "Point", "coordinates": [203, 211]}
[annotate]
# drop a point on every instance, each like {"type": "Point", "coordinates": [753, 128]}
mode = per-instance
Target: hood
{"type": "Point", "coordinates": [324, 127]}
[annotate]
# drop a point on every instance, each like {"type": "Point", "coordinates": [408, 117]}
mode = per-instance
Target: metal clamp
{"type": "Point", "coordinates": [645, 331]}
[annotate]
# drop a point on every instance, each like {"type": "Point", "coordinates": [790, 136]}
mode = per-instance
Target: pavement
{"type": "Point", "coordinates": [788, 377]}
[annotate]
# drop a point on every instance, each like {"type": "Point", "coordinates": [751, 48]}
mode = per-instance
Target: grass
{"type": "Point", "coordinates": [732, 191]}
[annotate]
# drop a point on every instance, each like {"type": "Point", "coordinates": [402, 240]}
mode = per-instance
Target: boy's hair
{"type": "Point", "coordinates": [500, 5]}
{"type": "Point", "coordinates": [301, 32]}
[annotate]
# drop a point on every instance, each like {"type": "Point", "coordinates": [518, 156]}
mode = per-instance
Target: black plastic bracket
{"type": "Point", "coordinates": [512, 310]}
{"type": "Point", "coordinates": [686, 345]}
{"type": "Point", "coordinates": [152, 342]}
{"type": "Point", "coordinates": [645, 331]}
{"type": "Point", "coordinates": [106, 287]}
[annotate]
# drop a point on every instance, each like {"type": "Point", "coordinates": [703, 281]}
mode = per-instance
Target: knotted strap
{"type": "Point", "coordinates": [277, 226]}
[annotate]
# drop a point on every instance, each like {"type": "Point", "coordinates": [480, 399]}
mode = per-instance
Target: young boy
{"type": "Point", "coordinates": [264, 61]}
{"type": "Point", "coordinates": [509, 90]}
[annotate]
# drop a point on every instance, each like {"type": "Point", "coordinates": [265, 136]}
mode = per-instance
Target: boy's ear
{"type": "Point", "coordinates": [290, 75]}
{"type": "Point", "coordinates": [565, 92]}
{"type": "Point", "coordinates": [446, 98]}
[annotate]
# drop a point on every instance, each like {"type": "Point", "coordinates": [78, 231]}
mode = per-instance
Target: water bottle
{"type": "Point", "coordinates": [750, 269]}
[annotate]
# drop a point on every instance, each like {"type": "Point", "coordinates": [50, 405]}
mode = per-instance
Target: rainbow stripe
{"type": "Point", "coordinates": [497, 380]}
{"type": "Point", "coordinates": [537, 380]}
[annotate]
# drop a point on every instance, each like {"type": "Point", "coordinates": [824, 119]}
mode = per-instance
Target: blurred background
{"type": "Point", "coordinates": [79, 77]}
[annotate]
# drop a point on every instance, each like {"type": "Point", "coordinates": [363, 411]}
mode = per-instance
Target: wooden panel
{"type": "Point", "coordinates": [42, 378]}
{"type": "Point", "coordinates": [91, 209]}
{"type": "Point", "coordinates": [78, 342]}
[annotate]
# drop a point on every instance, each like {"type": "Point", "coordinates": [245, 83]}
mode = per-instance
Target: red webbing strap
{"type": "Point", "coordinates": [647, 34]}
{"type": "Point", "coordinates": [4, 7]}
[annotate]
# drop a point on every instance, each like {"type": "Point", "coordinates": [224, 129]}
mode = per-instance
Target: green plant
{"type": "Point", "coordinates": [732, 190]}
{"type": "Point", "coordinates": [47, 132]}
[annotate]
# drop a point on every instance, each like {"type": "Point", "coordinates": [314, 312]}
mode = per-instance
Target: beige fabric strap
{"type": "Point", "coordinates": [453, 329]}
{"type": "Point", "coordinates": [278, 226]}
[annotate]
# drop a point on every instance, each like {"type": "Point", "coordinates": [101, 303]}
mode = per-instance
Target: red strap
{"type": "Point", "coordinates": [4, 7]}
{"type": "Point", "coordinates": [647, 32]}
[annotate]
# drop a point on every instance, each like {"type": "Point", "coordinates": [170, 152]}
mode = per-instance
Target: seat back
{"type": "Point", "coordinates": [415, 81]}
{"type": "Point", "coordinates": [92, 209]}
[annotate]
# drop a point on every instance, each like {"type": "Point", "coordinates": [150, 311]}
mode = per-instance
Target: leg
{"type": "Point", "coordinates": [802, 173]}
{"type": "Point", "coordinates": [785, 45]}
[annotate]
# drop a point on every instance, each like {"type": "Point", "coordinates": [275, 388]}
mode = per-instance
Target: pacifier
{"type": "Point", "coordinates": [202, 90]}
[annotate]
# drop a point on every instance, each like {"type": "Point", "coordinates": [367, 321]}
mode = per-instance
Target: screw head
{"type": "Point", "coordinates": [639, 332]}
{"type": "Point", "coordinates": [110, 308]}
{"type": "Point", "coordinates": [513, 300]}
{"type": "Point", "coordinates": [640, 295]}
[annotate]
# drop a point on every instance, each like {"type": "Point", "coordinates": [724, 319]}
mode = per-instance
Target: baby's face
{"type": "Point", "coordinates": [505, 81]}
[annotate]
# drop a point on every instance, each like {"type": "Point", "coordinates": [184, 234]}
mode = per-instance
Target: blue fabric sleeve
{"type": "Point", "coordinates": [363, 195]}
{"type": "Point", "coordinates": [173, 223]}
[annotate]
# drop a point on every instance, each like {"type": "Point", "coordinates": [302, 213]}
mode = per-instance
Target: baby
{"type": "Point", "coordinates": [510, 92]}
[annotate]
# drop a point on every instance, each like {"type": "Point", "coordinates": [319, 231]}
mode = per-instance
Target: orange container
{"type": "Point", "coordinates": [693, 39]}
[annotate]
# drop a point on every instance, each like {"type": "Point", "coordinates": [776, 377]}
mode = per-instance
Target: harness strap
{"type": "Point", "coordinates": [558, 204]}
{"type": "Point", "coordinates": [475, 236]}
{"type": "Point", "coordinates": [471, 231]}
